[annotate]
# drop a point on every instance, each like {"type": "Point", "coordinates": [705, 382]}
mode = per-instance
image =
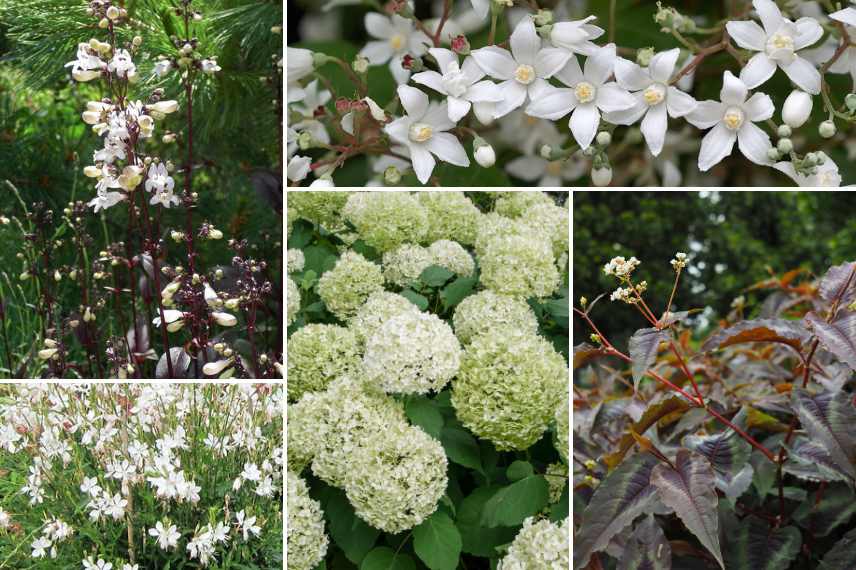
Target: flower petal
{"type": "Point", "coordinates": [414, 101]}
{"type": "Point", "coordinates": [678, 103]}
{"type": "Point", "coordinates": [378, 26]}
{"type": "Point", "coordinates": [846, 16]}
{"type": "Point", "coordinates": [759, 107]}
{"type": "Point", "coordinates": [630, 75]}
{"type": "Point", "coordinates": [803, 74]}
{"type": "Point", "coordinates": [554, 105]}
{"type": "Point", "coordinates": [400, 74]}
{"type": "Point", "coordinates": [496, 62]}
{"type": "Point", "coordinates": [571, 74]}
{"type": "Point", "coordinates": [716, 145]}
{"type": "Point", "coordinates": [399, 129]}
{"type": "Point", "coordinates": [423, 162]}
{"type": "Point", "coordinates": [484, 91]}
{"type": "Point", "coordinates": [377, 52]}
{"type": "Point", "coordinates": [808, 32]}
{"type": "Point", "coordinates": [525, 42]}
{"type": "Point", "coordinates": [598, 67]}
{"type": "Point", "coordinates": [418, 43]}
{"type": "Point", "coordinates": [549, 61]}
{"type": "Point", "coordinates": [611, 97]}
{"type": "Point", "coordinates": [630, 115]}
{"type": "Point", "coordinates": [444, 58]}
{"type": "Point", "coordinates": [654, 127]}
{"type": "Point", "coordinates": [448, 149]}
{"type": "Point", "coordinates": [706, 114]}
{"type": "Point", "coordinates": [430, 79]}
{"type": "Point", "coordinates": [584, 122]}
{"type": "Point", "coordinates": [458, 108]}
{"type": "Point", "coordinates": [472, 70]}
{"type": "Point", "coordinates": [663, 65]}
{"type": "Point", "coordinates": [438, 117]}
{"type": "Point", "coordinates": [758, 69]}
{"type": "Point", "coordinates": [771, 16]}
{"type": "Point", "coordinates": [527, 167]}
{"type": "Point", "coordinates": [754, 143]}
{"type": "Point", "coordinates": [788, 169]}
{"type": "Point", "coordinates": [747, 34]}
{"type": "Point", "coordinates": [513, 96]}
{"type": "Point", "coordinates": [733, 91]}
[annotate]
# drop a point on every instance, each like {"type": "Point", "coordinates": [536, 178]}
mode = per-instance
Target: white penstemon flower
{"type": "Point", "coordinates": [524, 70]}
{"type": "Point", "coordinates": [733, 119]}
{"type": "Point", "coordinates": [777, 44]}
{"type": "Point", "coordinates": [161, 184]}
{"type": "Point", "coordinates": [654, 97]}
{"type": "Point", "coordinates": [590, 93]}
{"type": "Point", "coordinates": [462, 85]}
{"type": "Point", "coordinates": [396, 37]}
{"type": "Point", "coordinates": [423, 131]}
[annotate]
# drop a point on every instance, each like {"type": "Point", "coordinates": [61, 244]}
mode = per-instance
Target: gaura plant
{"type": "Point", "coordinates": [547, 92]}
{"type": "Point", "coordinates": [735, 451]}
{"type": "Point", "coordinates": [134, 476]}
{"type": "Point", "coordinates": [428, 380]}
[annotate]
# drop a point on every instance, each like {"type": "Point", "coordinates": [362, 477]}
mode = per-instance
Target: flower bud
{"type": "Point", "coordinates": [137, 41]}
{"type": "Point", "coordinates": [304, 140]}
{"type": "Point", "coordinates": [785, 146]}
{"type": "Point", "coordinates": [232, 304]}
{"type": "Point", "coordinates": [215, 368]}
{"type": "Point", "coordinates": [784, 131]}
{"type": "Point", "coordinates": [88, 315]}
{"type": "Point", "coordinates": [113, 13]}
{"type": "Point", "coordinates": [391, 176]}
{"type": "Point", "coordinates": [601, 176]}
{"type": "Point", "coordinates": [224, 319]}
{"type": "Point", "coordinates": [86, 75]}
{"type": "Point", "coordinates": [644, 55]}
{"type": "Point", "coordinates": [92, 171]}
{"type": "Point", "coordinates": [827, 129]}
{"type": "Point", "coordinates": [50, 343]}
{"type": "Point", "coordinates": [360, 64]}
{"type": "Point", "coordinates": [546, 152]}
{"type": "Point", "coordinates": [165, 107]}
{"type": "Point", "coordinates": [543, 18]}
{"type": "Point", "coordinates": [773, 153]}
{"type": "Point", "coordinates": [484, 153]}
{"type": "Point", "coordinates": [850, 101]}
{"type": "Point", "coordinates": [461, 45]}
{"type": "Point", "coordinates": [57, 275]}
{"type": "Point", "coordinates": [413, 64]}
{"type": "Point", "coordinates": [604, 138]}
{"type": "Point", "coordinates": [797, 109]}
{"type": "Point", "coordinates": [91, 117]}
{"type": "Point", "coordinates": [48, 353]}
{"type": "Point", "coordinates": [215, 234]}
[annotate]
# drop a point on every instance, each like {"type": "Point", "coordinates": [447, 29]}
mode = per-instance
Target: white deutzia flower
{"type": "Point", "coordinates": [523, 71]}
{"type": "Point", "coordinates": [396, 37]}
{"type": "Point", "coordinates": [298, 168]}
{"type": "Point", "coordinates": [777, 44]}
{"type": "Point", "coordinates": [481, 8]}
{"type": "Point", "coordinates": [548, 173]}
{"type": "Point", "coordinates": [161, 184]}
{"type": "Point", "coordinates": [122, 65]}
{"type": "Point", "coordinates": [323, 182]}
{"type": "Point", "coordinates": [423, 131]}
{"type": "Point", "coordinates": [167, 537]}
{"type": "Point", "coordinates": [462, 86]}
{"type": "Point", "coordinates": [654, 98]}
{"type": "Point", "coordinates": [300, 63]}
{"type": "Point", "coordinates": [826, 175]}
{"type": "Point", "coordinates": [313, 99]}
{"type": "Point", "coordinates": [589, 94]}
{"type": "Point", "coordinates": [527, 133]}
{"type": "Point", "coordinates": [576, 36]}
{"type": "Point", "coordinates": [846, 63]}
{"type": "Point", "coordinates": [733, 118]}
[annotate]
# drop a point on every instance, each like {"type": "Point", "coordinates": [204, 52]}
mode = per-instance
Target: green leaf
{"type": "Point", "coordinates": [301, 235]}
{"type": "Point", "coordinates": [829, 419]}
{"type": "Point", "coordinates": [477, 539]}
{"type": "Point", "coordinates": [750, 544]}
{"type": "Point", "coordinates": [518, 470]}
{"type": "Point", "coordinates": [415, 298]}
{"type": "Point", "coordinates": [647, 548]}
{"type": "Point", "coordinates": [559, 309]}
{"type": "Point", "coordinates": [309, 279]}
{"type": "Point", "coordinates": [512, 504]}
{"type": "Point", "coordinates": [625, 494]}
{"type": "Point", "coordinates": [348, 531]}
{"type": "Point", "coordinates": [690, 490]}
{"type": "Point", "coordinates": [643, 348]}
{"type": "Point", "coordinates": [461, 448]}
{"type": "Point", "coordinates": [424, 413]}
{"type": "Point", "coordinates": [385, 558]}
{"type": "Point", "coordinates": [559, 511]}
{"type": "Point", "coordinates": [365, 250]}
{"type": "Point", "coordinates": [437, 542]}
{"type": "Point", "coordinates": [842, 555]}
{"type": "Point", "coordinates": [457, 290]}
{"type": "Point", "coordinates": [435, 276]}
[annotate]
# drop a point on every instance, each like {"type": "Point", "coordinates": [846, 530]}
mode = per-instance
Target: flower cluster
{"type": "Point", "coordinates": [347, 286]}
{"type": "Point", "coordinates": [480, 313]}
{"type": "Point", "coordinates": [317, 355]}
{"type": "Point", "coordinates": [307, 542]}
{"type": "Point", "coordinates": [540, 544]}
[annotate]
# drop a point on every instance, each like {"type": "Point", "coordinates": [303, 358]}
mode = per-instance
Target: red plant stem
{"type": "Point", "coordinates": [686, 372]}
{"type": "Point", "coordinates": [153, 253]}
{"type": "Point", "coordinates": [743, 434]}
{"type": "Point", "coordinates": [447, 8]}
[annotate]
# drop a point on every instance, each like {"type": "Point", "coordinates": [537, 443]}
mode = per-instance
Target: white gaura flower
{"type": "Point", "coordinates": [777, 44]}
{"type": "Point", "coordinates": [733, 119]}
{"type": "Point", "coordinates": [589, 94]}
{"type": "Point", "coordinates": [548, 173]}
{"type": "Point", "coordinates": [576, 36]}
{"type": "Point", "coordinates": [461, 85]}
{"type": "Point", "coordinates": [299, 64]}
{"type": "Point", "coordinates": [167, 537]}
{"type": "Point", "coordinates": [423, 131]}
{"type": "Point", "coordinates": [825, 176]}
{"type": "Point", "coordinates": [523, 71]}
{"type": "Point", "coordinates": [298, 168]}
{"type": "Point", "coordinates": [40, 547]}
{"type": "Point", "coordinates": [247, 525]}
{"type": "Point", "coordinates": [396, 37]}
{"type": "Point", "coordinates": [89, 564]}
{"type": "Point", "coordinates": [653, 97]}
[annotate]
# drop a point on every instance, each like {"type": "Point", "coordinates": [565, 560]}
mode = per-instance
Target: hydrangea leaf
{"type": "Point", "coordinates": [512, 504]}
{"type": "Point", "coordinates": [689, 489]}
{"type": "Point", "coordinates": [435, 276]}
{"type": "Point", "coordinates": [838, 337]}
{"type": "Point", "coordinates": [385, 558]}
{"type": "Point", "coordinates": [461, 447]}
{"type": "Point", "coordinates": [348, 531]}
{"type": "Point", "coordinates": [423, 413]}
{"type": "Point", "coordinates": [750, 544]}
{"type": "Point", "coordinates": [621, 497]}
{"type": "Point", "coordinates": [842, 555]}
{"type": "Point", "coordinates": [437, 542]}
{"type": "Point", "coordinates": [518, 470]}
{"type": "Point", "coordinates": [457, 290]}
{"type": "Point", "coordinates": [643, 348]}
{"type": "Point", "coordinates": [837, 282]}
{"type": "Point", "coordinates": [419, 300]}
{"type": "Point", "coordinates": [829, 419]}
{"type": "Point", "coordinates": [647, 549]}
{"type": "Point", "coordinates": [791, 333]}
{"type": "Point", "coordinates": [827, 510]}
{"type": "Point", "coordinates": [477, 539]}
{"type": "Point", "coordinates": [728, 454]}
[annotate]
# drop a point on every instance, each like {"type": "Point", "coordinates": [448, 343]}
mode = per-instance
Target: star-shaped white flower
{"type": "Point", "coordinates": [461, 85]}
{"type": "Point", "coordinates": [423, 131]}
{"type": "Point", "coordinates": [576, 36]}
{"type": "Point", "coordinates": [846, 62]}
{"type": "Point", "coordinates": [653, 97]}
{"type": "Point", "coordinates": [777, 44]}
{"type": "Point", "coordinates": [523, 71]}
{"type": "Point", "coordinates": [733, 119]}
{"type": "Point", "coordinates": [548, 173]}
{"type": "Point", "coordinates": [825, 176]}
{"type": "Point", "coordinates": [167, 537]}
{"type": "Point", "coordinates": [396, 37]}
{"type": "Point", "coordinates": [313, 98]}
{"type": "Point", "coordinates": [589, 94]}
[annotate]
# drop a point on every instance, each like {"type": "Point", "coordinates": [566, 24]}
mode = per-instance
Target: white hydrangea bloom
{"type": "Point", "coordinates": [317, 355]}
{"type": "Point", "coordinates": [554, 221]}
{"type": "Point", "coordinates": [295, 260]}
{"type": "Point", "coordinates": [513, 204]}
{"type": "Point", "coordinates": [403, 265]}
{"type": "Point", "coordinates": [486, 311]}
{"type": "Point", "coordinates": [307, 541]}
{"type": "Point", "coordinates": [541, 545]}
{"type": "Point", "coordinates": [386, 220]}
{"type": "Point", "coordinates": [347, 286]}
{"type": "Point", "coordinates": [292, 297]}
{"type": "Point", "coordinates": [412, 353]}
{"type": "Point", "coordinates": [378, 308]}
{"type": "Point", "coordinates": [563, 428]}
{"type": "Point", "coordinates": [451, 215]}
{"type": "Point", "coordinates": [319, 207]}
{"type": "Point", "coordinates": [520, 265]}
{"type": "Point", "coordinates": [452, 256]}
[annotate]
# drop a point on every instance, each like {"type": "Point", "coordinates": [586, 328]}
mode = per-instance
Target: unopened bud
{"type": "Point", "coordinates": [644, 55]}
{"type": "Point", "coordinates": [392, 176]}
{"type": "Point", "coordinates": [850, 101]}
{"type": "Point", "coordinates": [604, 138]}
{"type": "Point", "coordinates": [484, 153]}
{"type": "Point", "coordinates": [827, 129]}
{"type": "Point", "coordinates": [215, 234]}
{"type": "Point", "coordinates": [461, 45]}
{"type": "Point", "coordinates": [785, 146]}
{"type": "Point", "coordinates": [601, 176]}
{"type": "Point", "coordinates": [360, 64]}
{"type": "Point", "coordinates": [113, 13]}
{"type": "Point", "coordinates": [797, 109]}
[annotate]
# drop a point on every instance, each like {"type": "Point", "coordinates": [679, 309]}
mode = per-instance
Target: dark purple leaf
{"type": "Point", "coordinates": [647, 549]}
{"type": "Point", "coordinates": [643, 347]}
{"type": "Point", "coordinates": [837, 282]}
{"type": "Point", "coordinates": [792, 333]}
{"type": "Point", "coordinates": [829, 419]}
{"type": "Point", "coordinates": [838, 337]}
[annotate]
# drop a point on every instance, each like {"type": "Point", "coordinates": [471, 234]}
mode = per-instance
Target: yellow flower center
{"type": "Point", "coordinates": [554, 168]}
{"type": "Point", "coordinates": [420, 132]}
{"type": "Point", "coordinates": [530, 121]}
{"type": "Point", "coordinates": [397, 42]}
{"type": "Point", "coordinates": [780, 47]}
{"type": "Point", "coordinates": [734, 118]}
{"type": "Point", "coordinates": [654, 94]}
{"type": "Point", "coordinates": [585, 92]}
{"type": "Point", "coordinates": [525, 74]}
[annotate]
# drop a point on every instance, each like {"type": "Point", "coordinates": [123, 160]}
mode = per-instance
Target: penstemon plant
{"type": "Point", "coordinates": [745, 438]}
{"type": "Point", "coordinates": [545, 96]}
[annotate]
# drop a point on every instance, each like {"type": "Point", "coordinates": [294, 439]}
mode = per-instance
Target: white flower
{"type": "Point", "coordinates": [88, 65]}
{"type": "Point", "coordinates": [461, 85]}
{"type": "Point", "coordinates": [485, 155]}
{"type": "Point", "coordinates": [122, 65]}
{"type": "Point", "coordinates": [224, 319]}
{"type": "Point", "coordinates": [323, 182]}
{"type": "Point", "coordinates": [251, 472]}
{"type": "Point", "coordinates": [423, 131]}
{"type": "Point", "coordinates": [654, 97]}
{"type": "Point", "coordinates": [90, 486]}
{"type": "Point", "coordinates": [797, 109]}
{"type": "Point", "coordinates": [576, 36]}
{"type": "Point", "coordinates": [395, 39]}
{"type": "Point", "coordinates": [525, 70]}
{"type": "Point", "coordinates": [105, 200]}
{"type": "Point", "coordinates": [298, 168]}
{"type": "Point", "coordinates": [167, 537]}
{"type": "Point", "coordinates": [161, 184]}
{"type": "Point", "coordinates": [162, 67]}
{"type": "Point", "coordinates": [40, 546]}
{"type": "Point", "coordinates": [777, 44]}
{"type": "Point", "coordinates": [846, 62]}
{"type": "Point", "coordinates": [826, 175]}
{"type": "Point", "coordinates": [5, 519]}
{"type": "Point", "coordinates": [210, 66]}
{"type": "Point", "coordinates": [548, 173]}
{"type": "Point", "coordinates": [247, 525]}
{"type": "Point", "coordinates": [733, 119]}
{"type": "Point", "coordinates": [174, 320]}
{"type": "Point", "coordinates": [589, 94]}
{"type": "Point", "coordinates": [88, 564]}
{"type": "Point", "coordinates": [528, 134]}
{"type": "Point", "coordinates": [314, 98]}
{"type": "Point", "coordinates": [165, 107]}
{"type": "Point", "coordinates": [299, 64]}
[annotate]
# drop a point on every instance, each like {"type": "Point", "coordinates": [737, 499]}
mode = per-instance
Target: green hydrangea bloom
{"type": "Point", "coordinates": [317, 355]}
{"type": "Point", "coordinates": [404, 264]}
{"type": "Point", "coordinates": [486, 310]}
{"type": "Point", "coordinates": [563, 428]}
{"type": "Point", "coordinates": [346, 287]}
{"type": "Point", "coordinates": [307, 541]}
{"type": "Point", "coordinates": [452, 256]}
{"type": "Point", "coordinates": [292, 298]}
{"type": "Point", "coordinates": [319, 207]}
{"type": "Point", "coordinates": [451, 215]}
{"type": "Point", "coordinates": [541, 545]}
{"type": "Point", "coordinates": [514, 204]}
{"type": "Point", "coordinates": [386, 220]}
{"type": "Point", "coordinates": [520, 266]}
{"type": "Point", "coordinates": [378, 308]}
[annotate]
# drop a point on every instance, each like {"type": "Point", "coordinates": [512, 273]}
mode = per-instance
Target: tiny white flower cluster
{"type": "Point", "coordinates": [620, 267]}
{"type": "Point", "coordinates": [680, 261]}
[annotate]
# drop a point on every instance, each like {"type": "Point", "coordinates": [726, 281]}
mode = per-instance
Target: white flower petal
{"type": "Point", "coordinates": [496, 62]}
{"type": "Point", "coordinates": [553, 105]}
{"type": "Point", "coordinates": [788, 169]}
{"type": "Point", "coordinates": [484, 91]}
{"type": "Point", "coordinates": [377, 52]}
{"type": "Point", "coordinates": [630, 75]}
{"type": "Point", "coordinates": [438, 117]}
{"type": "Point", "coordinates": [472, 70]}
{"type": "Point", "coordinates": [584, 122]}
{"type": "Point", "coordinates": [400, 74]}
{"type": "Point", "coordinates": [513, 96]}
{"type": "Point", "coordinates": [663, 65]}
{"type": "Point", "coordinates": [733, 90]}
{"type": "Point", "coordinates": [481, 8]}
{"type": "Point", "coordinates": [754, 143]}
{"type": "Point", "coordinates": [418, 43]}
{"type": "Point", "coordinates": [347, 122]}
{"type": "Point", "coordinates": [846, 16]}
{"type": "Point", "coordinates": [759, 107]}
{"type": "Point", "coordinates": [758, 70]}
{"type": "Point", "coordinates": [379, 26]}
{"type": "Point", "coordinates": [398, 129]}
{"type": "Point", "coordinates": [630, 115]}
{"type": "Point", "coordinates": [598, 67]}
{"type": "Point", "coordinates": [527, 168]}
{"type": "Point", "coordinates": [716, 145]}
{"type": "Point", "coordinates": [457, 108]}
{"type": "Point", "coordinates": [550, 61]}
{"type": "Point", "coordinates": [448, 149]}
{"type": "Point", "coordinates": [423, 162]}
{"type": "Point", "coordinates": [679, 103]}
{"type": "Point", "coordinates": [525, 42]}
{"type": "Point", "coordinates": [803, 74]}
{"type": "Point", "coordinates": [706, 114]}
{"type": "Point", "coordinates": [611, 97]}
{"type": "Point", "coordinates": [771, 16]}
{"type": "Point", "coordinates": [571, 74]}
{"type": "Point", "coordinates": [430, 79]}
{"type": "Point", "coordinates": [808, 32]}
{"type": "Point", "coordinates": [747, 34]}
{"type": "Point", "coordinates": [654, 127]}
{"type": "Point", "coordinates": [414, 101]}
{"type": "Point", "coordinates": [298, 168]}
{"type": "Point", "coordinates": [444, 58]}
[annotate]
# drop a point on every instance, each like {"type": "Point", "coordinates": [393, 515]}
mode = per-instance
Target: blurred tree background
{"type": "Point", "coordinates": [734, 240]}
